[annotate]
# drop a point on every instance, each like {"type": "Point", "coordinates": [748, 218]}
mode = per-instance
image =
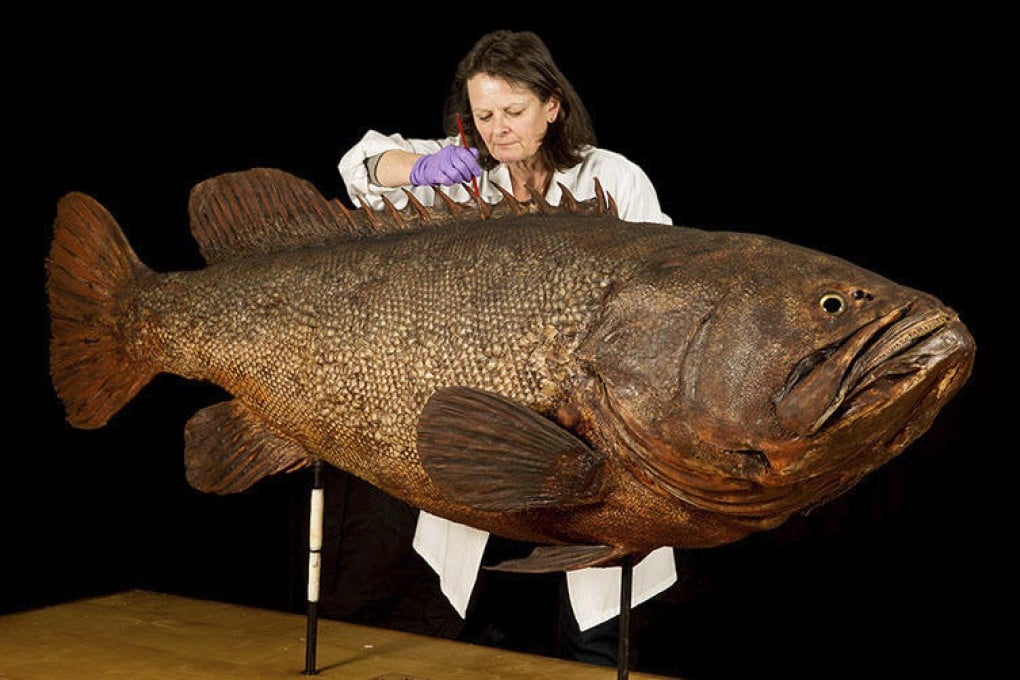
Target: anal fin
{"type": "Point", "coordinates": [227, 449]}
{"type": "Point", "coordinates": [549, 558]}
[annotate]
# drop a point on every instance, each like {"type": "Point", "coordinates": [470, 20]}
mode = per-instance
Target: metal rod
{"type": "Point", "coordinates": [626, 584]}
{"type": "Point", "coordinates": [314, 566]}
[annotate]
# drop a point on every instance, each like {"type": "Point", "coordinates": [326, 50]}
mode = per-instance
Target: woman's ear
{"type": "Point", "coordinates": [552, 109]}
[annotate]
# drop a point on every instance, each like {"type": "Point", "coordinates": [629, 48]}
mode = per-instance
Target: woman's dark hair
{"type": "Point", "coordinates": [524, 59]}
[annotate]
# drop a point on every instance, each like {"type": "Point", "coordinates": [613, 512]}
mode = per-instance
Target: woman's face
{"type": "Point", "coordinates": [509, 117]}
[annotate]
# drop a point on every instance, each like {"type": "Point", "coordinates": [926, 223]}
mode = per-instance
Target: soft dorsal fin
{"type": "Point", "coordinates": [227, 449]}
{"type": "Point", "coordinates": [262, 210]}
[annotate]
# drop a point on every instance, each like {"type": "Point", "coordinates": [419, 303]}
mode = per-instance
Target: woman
{"type": "Point", "coordinates": [527, 130]}
{"type": "Point", "coordinates": [526, 127]}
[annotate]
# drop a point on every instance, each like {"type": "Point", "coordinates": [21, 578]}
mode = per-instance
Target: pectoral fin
{"type": "Point", "coordinates": [493, 454]}
{"type": "Point", "coordinates": [548, 558]}
{"type": "Point", "coordinates": [227, 449]}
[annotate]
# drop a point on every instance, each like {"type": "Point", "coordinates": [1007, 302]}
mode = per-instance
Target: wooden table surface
{"type": "Point", "coordinates": [140, 635]}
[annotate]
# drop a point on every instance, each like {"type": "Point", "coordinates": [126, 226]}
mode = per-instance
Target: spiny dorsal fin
{"type": "Point", "coordinates": [371, 216]}
{"type": "Point", "coordinates": [455, 208]}
{"type": "Point", "coordinates": [394, 213]}
{"type": "Point", "coordinates": [484, 209]}
{"type": "Point", "coordinates": [538, 199]}
{"type": "Point", "coordinates": [265, 210]}
{"type": "Point", "coordinates": [567, 201]}
{"type": "Point", "coordinates": [418, 206]}
{"type": "Point", "coordinates": [604, 199]}
{"type": "Point", "coordinates": [515, 206]}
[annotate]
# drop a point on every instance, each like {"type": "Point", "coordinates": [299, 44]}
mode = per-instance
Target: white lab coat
{"type": "Point", "coordinates": [454, 550]}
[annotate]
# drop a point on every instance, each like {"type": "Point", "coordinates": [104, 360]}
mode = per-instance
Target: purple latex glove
{"type": "Point", "coordinates": [449, 165]}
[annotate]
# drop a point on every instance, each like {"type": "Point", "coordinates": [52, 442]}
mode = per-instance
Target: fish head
{"type": "Point", "coordinates": [752, 377]}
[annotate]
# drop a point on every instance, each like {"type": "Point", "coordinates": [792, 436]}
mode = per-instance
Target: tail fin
{"type": "Point", "coordinates": [89, 265]}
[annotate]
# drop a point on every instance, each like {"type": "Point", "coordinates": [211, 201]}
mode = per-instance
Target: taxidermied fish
{"type": "Point", "coordinates": [598, 387]}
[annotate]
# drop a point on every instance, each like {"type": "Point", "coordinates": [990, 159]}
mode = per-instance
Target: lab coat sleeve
{"type": "Point", "coordinates": [637, 201]}
{"type": "Point", "coordinates": [354, 172]}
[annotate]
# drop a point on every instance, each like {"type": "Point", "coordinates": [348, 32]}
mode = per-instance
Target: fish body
{"type": "Point", "coordinates": [599, 387]}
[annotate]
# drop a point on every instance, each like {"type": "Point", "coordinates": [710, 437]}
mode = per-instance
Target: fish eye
{"type": "Point", "coordinates": [832, 303]}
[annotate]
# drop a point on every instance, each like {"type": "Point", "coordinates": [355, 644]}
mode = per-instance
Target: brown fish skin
{"type": "Point", "coordinates": [562, 378]}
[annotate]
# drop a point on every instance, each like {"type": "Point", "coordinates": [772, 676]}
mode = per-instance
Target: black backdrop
{"type": "Point", "coordinates": [846, 134]}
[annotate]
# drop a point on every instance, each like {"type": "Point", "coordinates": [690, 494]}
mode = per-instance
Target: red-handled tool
{"type": "Point", "coordinates": [463, 140]}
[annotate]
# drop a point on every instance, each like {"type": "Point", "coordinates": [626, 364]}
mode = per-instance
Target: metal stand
{"type": "Point", "coordinates": [314, 566]}
{"type": "Point", "coordinates": [623, 654]}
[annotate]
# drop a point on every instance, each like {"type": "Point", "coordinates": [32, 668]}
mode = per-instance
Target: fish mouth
{"type": "Point", "coordinates": [891, 355]}
{"type": "Point", "coordinates": [856, 406]}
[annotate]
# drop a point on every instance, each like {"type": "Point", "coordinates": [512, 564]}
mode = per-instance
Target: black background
{"type": "Point", "coordinates": [851, 134]}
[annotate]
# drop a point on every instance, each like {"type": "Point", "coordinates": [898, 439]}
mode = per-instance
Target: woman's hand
{"type": "Point", "coordinates": [449, 165]}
